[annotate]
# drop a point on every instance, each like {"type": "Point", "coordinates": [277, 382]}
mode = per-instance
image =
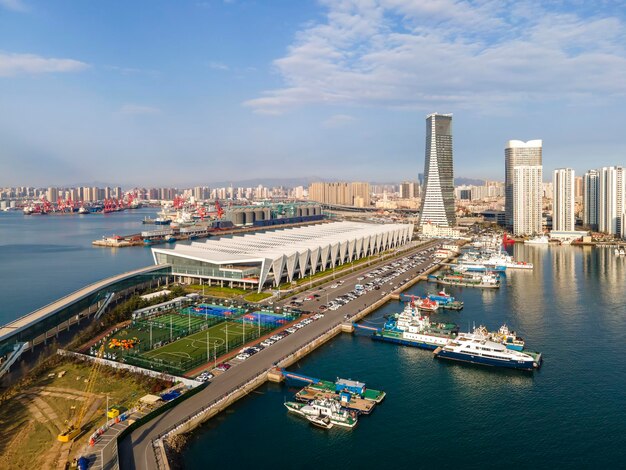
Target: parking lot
{"type": "Point", "coordinates": [341, 294]}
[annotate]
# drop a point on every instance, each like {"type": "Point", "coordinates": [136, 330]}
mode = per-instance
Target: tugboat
{"type": "Point", "coordinates": [446, 301]}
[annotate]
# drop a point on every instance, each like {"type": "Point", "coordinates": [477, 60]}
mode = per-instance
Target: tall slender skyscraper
{"type": "Point", "coordinates": [438, 192]}
{"type": "Point", "coordinates": [563, 204]}
{"type": "Point", "coordinates": [590, 199]}
{"type": "Point", "coordinates": [518, 153]}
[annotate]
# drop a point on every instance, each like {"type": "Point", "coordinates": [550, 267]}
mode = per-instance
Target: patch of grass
{"type": "Point", "coordinates": [217, 291]}
{"type": "Point", "coordinates": [25, 442]}
{"type": "Point", "coordinates": [257, 296]}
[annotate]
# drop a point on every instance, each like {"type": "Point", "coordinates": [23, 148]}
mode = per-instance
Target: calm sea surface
{"type": "Point", "coordinates": [569, 414]}
{"type": "Point", "coordinates": [43, 258]}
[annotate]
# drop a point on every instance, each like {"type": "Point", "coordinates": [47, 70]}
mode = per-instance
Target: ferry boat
{"type": "Point", "coordinates": [477, 348]}
{"type": "Point", "coordinates": [324, 408]}
{"type": "Point", "coordinates": [409, 328]}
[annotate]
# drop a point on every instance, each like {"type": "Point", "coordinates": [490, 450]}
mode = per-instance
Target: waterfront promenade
{"type": "Point", "coordinates": [136, 451]}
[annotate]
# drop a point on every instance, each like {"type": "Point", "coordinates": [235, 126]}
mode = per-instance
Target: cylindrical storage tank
{"type": "Point", "coordinates": [318, 210]}
{"type": "Point", "coordinates": [238, 217]}
{"type": "Point", "coordinates": [300, 211]}
{"type": "Point", "coordinates": [249, 217]}
{"type": "Point", "coordinates": [259, 214]}
{"type": "Point", "coordinates": [268, 213]}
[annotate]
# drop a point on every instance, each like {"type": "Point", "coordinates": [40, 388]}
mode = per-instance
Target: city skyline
{"type": "Point", "coordinates": [239, 97]}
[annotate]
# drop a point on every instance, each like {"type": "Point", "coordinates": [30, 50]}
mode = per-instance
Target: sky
{"type": "Point", "coordinates": [176, 93]}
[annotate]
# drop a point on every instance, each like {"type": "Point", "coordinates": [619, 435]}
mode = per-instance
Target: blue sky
{"type": "Point", "coordinates": [184, 93]}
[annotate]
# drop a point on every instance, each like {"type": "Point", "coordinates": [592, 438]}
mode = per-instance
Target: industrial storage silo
{"type": "Point", "coordinates": [238, 217]}
{"type": "Point", "coordinates": [259, 214]}
{"type": "Point", "coordinates": [249, 216]}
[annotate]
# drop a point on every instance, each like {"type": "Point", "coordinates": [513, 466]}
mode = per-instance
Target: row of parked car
{"type": "Point", "coordinates": [385, 274]}
{"type": "Point", "coordinates": [245, 353]}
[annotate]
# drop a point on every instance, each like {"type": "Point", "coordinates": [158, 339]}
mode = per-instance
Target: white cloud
{"type": "Point", "coordinates": [218, 66]}
{"type": "Point", "coordinates": [337, 120]}
{"type": "Point", "coordinates": [456, 53]}
{"type": "Point", "coordinates": [15, 64]}
{"type": "Point", "coordinates": [138, 109]}
{"type": "Point", "coordinates": [13, 5]}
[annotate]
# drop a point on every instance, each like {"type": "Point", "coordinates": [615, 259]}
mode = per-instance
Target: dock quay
{"type": "Point", "coordinates": [142, 448]}
{"type": "Point", "coordinates": [191, 232]}
{"type": "Point", "coordinates": [356, 403]}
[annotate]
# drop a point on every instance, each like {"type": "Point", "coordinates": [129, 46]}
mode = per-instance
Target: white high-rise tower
{"type": "Point", "coordinates": [563, 205]}
{"type": "Point", "coordinates": [517, 153]}
{"type": "Point", "coordinates": [611, 195]}
{"type": "Point", "coordinates": [527, 192]}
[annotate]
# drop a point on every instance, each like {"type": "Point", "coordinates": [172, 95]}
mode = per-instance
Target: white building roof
{"type": "Point", "coordinates": [289, 248]}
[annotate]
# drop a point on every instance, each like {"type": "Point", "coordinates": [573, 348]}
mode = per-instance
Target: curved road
{"type": "Point", "coordinates": [136, 452]}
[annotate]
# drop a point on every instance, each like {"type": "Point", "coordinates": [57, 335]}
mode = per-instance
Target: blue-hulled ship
{"type": "Point", "coordinates": [478, 348]}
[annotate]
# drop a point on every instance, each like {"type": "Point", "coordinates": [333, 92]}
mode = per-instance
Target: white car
{"type": "Point", "coordinates": [291, 330]}
{"type": "Point", "coordinates": [243, 356]}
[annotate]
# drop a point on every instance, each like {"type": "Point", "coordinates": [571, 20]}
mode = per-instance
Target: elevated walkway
{"type": "Point", "coordinates": [42, 323]}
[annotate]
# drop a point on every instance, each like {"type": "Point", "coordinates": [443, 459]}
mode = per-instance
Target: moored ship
{"type": "Point", "coordinates": [325, 408]}
{"type": "Point", "coordinates": [478, 348]}
{"type": "Point", "coordinates": [410, 328]}
{"type": "Point", "coordinates": [454, 278]}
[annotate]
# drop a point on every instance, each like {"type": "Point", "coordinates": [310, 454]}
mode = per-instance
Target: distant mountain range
{"type": "Point", "coordinates": [269, 182]}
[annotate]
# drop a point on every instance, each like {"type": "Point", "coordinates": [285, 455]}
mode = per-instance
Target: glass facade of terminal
{"type": "Point", "coordinates": [190, 267]}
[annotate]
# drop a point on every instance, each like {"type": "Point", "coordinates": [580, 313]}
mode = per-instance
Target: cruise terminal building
{"type": "Point", "coordinates": [255, 261]}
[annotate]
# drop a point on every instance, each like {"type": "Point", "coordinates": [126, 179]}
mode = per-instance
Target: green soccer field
{"type": "Point", "coordinates": [219, 338]}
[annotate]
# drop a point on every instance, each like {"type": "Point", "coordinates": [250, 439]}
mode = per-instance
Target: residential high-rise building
{"type": "Point", "coordinates": [527, 187]}
{"type": "Point", "coordinates": [517, 153]}
{"type": "Point", "coordinates": [590, 199]}
{"type": "Point", "coordinates": [438, 192]}
{"type": "Point", "coordinates": [563, 203]}
{"type": "Point", "coordinates": [341, 193]}
{"type": "Point", "coordinates": [360, 193]}
{"type": "Point", "coordinates": [611, 193]}
{"type": "Point", "coordinates": [578, 187]}
{"type": "Point", "coordinates": [52, 194]}
{"type": "Point", "coordinates": [409, 189]}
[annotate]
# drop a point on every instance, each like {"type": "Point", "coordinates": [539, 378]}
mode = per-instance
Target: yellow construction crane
{"type": "Point", "coordinates": [75, 428]}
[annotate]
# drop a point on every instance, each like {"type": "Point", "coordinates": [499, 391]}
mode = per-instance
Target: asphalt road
{"type": "Point", "coordinates": [135, 451]}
